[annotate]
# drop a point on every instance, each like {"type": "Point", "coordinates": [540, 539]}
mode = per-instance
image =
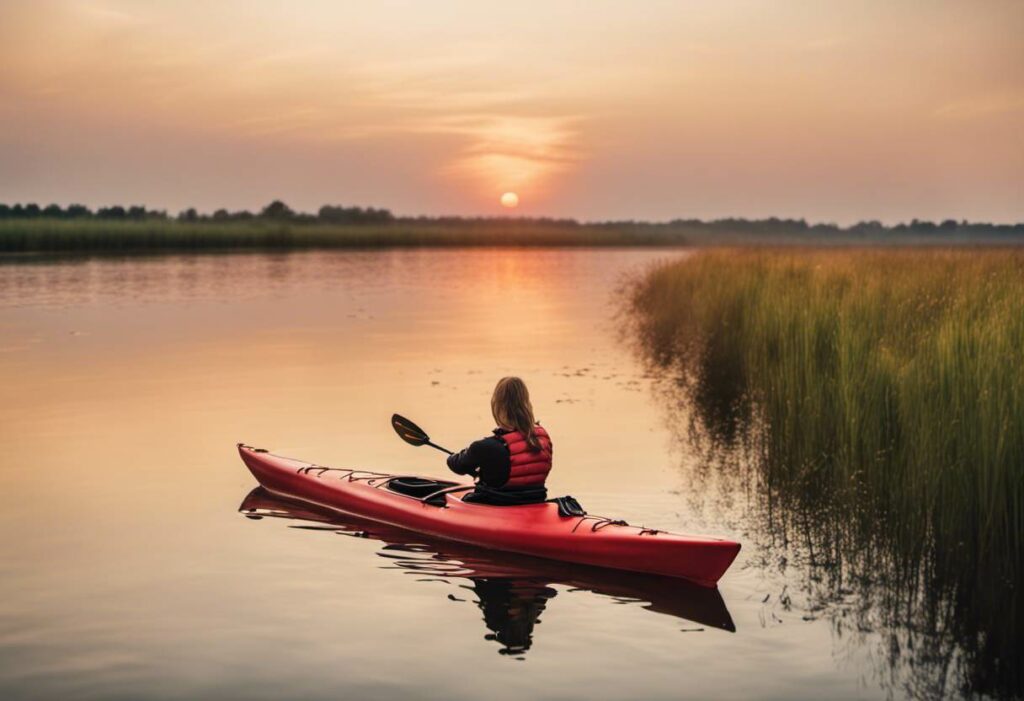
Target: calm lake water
{"type": "Point", "coordinates": [130, 573]}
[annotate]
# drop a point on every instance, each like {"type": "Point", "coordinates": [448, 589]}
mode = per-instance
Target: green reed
{"type": "Point", "coordinates": [91, 235]}
{"type": "Point", "coordinates": [880, 397]}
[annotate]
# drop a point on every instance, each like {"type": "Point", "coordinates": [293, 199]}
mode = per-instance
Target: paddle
{"type": "Point", "coordinates": [413, 434]}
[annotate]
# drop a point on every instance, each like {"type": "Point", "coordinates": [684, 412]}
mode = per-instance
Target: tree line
{"type": "Point", "coordinates": [279, 212]}
{"type": "Point", "coordinates": [275, 211]}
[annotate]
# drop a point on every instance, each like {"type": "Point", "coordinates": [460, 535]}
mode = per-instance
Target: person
{"type": "Point", "coordinates": [512, 465]}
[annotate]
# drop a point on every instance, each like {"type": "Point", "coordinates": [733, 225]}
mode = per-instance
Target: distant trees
{"type": "Point", "coordinates": [222, 216]}
{"type": "Point", "coordinates": [734, 228]}
{"type": "Point", "coordinates": [335, 214]}
{"type": "Point", "coordinates": [78, 211]}
{"type": "Point", "coordinates": [277, 210]}
{"type": "Point", "coordinates": [868, 229]}
{"type": "Point", "coordinates": [115, 212]}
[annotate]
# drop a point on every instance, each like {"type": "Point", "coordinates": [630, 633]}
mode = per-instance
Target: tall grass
{"type": "Point", "coordinates": [879, 396]}
{"type": "Point", "coordinates": [91, 235]}
{"type": "Point", "coordinates": [103, 235]}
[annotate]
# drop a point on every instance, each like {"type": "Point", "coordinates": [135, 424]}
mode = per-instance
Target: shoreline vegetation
{"type": "Point", "coordinates": [77, 229]}
{"type": "Point", "coordinates": [871, 404]}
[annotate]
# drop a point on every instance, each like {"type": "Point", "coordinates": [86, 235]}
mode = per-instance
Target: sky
{"type": "Point", "coordinates": [837, 111]}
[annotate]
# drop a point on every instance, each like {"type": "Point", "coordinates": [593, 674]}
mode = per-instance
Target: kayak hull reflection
{"type": "Point", "coordinates": [433, 560]}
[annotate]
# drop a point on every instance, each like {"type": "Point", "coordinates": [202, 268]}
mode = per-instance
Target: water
{"type": "Point", "coordinates": [128, 571]}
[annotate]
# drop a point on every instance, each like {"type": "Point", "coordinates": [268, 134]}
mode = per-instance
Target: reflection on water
{"type": "Point", "coordinates": [867, 547]}
{"type": "Point", "coordinates": [511, 608]}
{"type": "Point", "coordinates": [511, 591]}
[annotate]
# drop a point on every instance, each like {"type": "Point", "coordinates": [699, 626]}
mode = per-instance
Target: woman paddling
{"type": "Point", "coordinates": [512, 464]}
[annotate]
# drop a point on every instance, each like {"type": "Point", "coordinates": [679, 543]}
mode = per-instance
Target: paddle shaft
{"type": "Point", "coordinates": [435, 445]}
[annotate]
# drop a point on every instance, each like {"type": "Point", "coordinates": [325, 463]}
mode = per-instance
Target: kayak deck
{"type": "Point", "coordinates": [532, 529]}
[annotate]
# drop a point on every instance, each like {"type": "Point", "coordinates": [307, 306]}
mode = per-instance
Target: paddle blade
{"type": "Point", "coordinates": [408, 431]}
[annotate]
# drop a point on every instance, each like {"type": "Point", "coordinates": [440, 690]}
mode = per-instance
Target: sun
{"type": "Point", "coordinates": [510, 200]}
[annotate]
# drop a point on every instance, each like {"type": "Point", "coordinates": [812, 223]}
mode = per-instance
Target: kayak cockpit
{"type": "Point", "coordinates": [429, 491]}
{"type": "Point", "coordinates": [417, 487]}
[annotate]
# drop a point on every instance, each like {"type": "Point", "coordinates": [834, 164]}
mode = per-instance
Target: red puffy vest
{"type": "Point", "coordinates": [529, 467]}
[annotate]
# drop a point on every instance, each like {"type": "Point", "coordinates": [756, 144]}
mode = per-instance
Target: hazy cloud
{"type": "Point", "coordinates": [832, 111]}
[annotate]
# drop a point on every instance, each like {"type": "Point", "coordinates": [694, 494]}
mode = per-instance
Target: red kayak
{"type": "Point", "coordinates": [435, 508]}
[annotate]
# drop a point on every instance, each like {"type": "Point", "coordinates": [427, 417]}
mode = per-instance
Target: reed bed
{"type": "Point", "coordinates": [55, 235]}
{"type": "Point", "coordinates": [879, 395]}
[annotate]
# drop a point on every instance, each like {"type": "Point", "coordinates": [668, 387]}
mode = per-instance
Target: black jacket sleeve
{"type": "Point", "coordinates": [486, 459]}
{"type": "Point", "coordinates": [461, 463]}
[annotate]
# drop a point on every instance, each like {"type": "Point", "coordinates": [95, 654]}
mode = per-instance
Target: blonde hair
{"type": "Point", "coordinates": [511, 408]}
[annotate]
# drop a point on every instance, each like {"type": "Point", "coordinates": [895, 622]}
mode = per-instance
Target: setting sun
{"type": "Point", "coordinates": [510, 200]}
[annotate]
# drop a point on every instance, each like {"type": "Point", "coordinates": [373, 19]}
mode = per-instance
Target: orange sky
{"type": "Point", "coordinates": [833, 111]}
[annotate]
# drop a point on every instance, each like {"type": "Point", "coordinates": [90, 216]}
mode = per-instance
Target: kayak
{"type": "Point", "coordinates": [435, 508]}
{"type": "Point", "coordinates": [434, 560]}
